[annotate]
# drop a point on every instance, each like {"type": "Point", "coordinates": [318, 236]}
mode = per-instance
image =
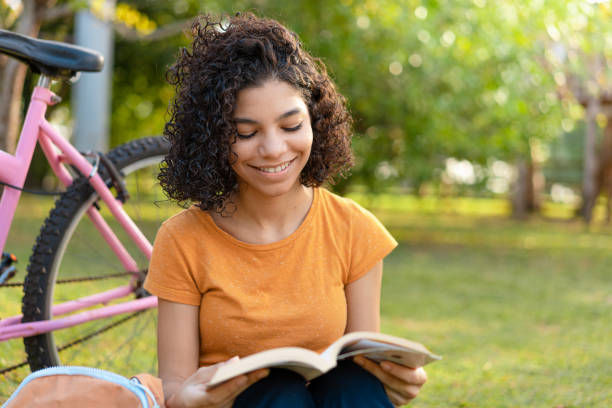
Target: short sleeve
{"type": "Point", "coordinates": [370, 243]}
{"type": "Point", "coordinates": [170, 276]}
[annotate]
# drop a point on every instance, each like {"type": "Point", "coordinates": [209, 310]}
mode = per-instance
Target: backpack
{"type": "Point", "coordinates": [77, 387]}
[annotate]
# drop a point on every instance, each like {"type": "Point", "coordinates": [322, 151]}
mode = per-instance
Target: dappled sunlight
{"type": "Point", "coordinates": [397, 324]}
{"type": "Point", "coordinates": [516, 309]}
{"type": "Point", "coordinates": [484, 223]}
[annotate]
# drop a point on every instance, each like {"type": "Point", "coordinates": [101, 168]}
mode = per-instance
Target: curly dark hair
{"type": "Point", "coordinates": [225, 58]}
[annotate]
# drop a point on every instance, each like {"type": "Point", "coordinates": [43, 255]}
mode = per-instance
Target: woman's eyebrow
{"type": "Point", "coordinates": [245, 120]}
{"type": "Point", "coordinates": [291, 112]}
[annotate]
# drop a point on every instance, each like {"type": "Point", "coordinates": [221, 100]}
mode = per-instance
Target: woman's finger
{"type": "Point", "coordinates": [416, 376]}
{"type": "Point", "coordinates": [223, 391]}
{"type": "Point", "coordinates": [395, 398]}
{"type": "Point", "coordinates": [402, 386]}
{"type": "Point", "coordinates": [384, 377]}
{"type": "Point", "coordinates": [204, 374]}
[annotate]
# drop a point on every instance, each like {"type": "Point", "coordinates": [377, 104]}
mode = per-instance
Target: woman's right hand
{"type": "Point", "coordinates": [194, 392]}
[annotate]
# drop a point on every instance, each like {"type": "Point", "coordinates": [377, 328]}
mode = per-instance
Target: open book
{"type": "Point", "coordinates": [375, 346]}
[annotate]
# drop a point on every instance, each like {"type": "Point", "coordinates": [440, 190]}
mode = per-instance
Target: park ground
{"type": "Point", "coordinates": [519, 310]}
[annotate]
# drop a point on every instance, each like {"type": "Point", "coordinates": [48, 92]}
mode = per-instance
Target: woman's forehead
{"type": "Point", "coordinates": [273, 98]}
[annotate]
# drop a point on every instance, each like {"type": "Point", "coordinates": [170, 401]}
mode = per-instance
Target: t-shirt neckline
{"type": "Point", "coordinates": [272, 245]}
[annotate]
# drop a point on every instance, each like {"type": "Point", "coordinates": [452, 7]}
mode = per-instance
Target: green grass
{"type": "Point", "coordinates": [520, 311]}
{"type": "Point", "coordinates": [127, 349]}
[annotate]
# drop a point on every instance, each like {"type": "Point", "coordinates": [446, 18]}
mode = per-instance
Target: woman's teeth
{"type": "Point", "coordinates": [274, 169]}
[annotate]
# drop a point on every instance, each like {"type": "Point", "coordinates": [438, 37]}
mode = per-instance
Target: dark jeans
{"type": "Point", "coordinates": [346, 386]}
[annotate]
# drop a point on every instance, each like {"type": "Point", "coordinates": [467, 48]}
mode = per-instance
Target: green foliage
{"type": "Point", "coordinates": [8, 16]}
{"type": "Point", "coordinates": [425, 80]}
{"type": "Point", "coordinates": [140, 95]}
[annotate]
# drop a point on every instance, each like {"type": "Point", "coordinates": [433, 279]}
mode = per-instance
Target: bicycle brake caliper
{"type": "Point", "coordinates": [7, 269]}
{"type": "Point", "coordinates": [116, 178]}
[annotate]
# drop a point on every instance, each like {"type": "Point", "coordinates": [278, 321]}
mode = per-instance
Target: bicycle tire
{"type": "Point", "coordinates": [59, 253]}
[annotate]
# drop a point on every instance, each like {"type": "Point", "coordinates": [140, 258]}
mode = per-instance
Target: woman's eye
{"type": "Point", "coordinates": [245, 136]}
{"type": "Point", "coordinates": [295, 128]}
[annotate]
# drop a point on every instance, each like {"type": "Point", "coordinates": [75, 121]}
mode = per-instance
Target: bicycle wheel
{"type": "Point", "coordinates": [70, 260]}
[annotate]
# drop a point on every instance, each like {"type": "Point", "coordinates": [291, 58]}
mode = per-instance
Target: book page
{"type": "Point", "coordinates": [386, 352]}
{"type": "Point", "coordinates": [363, 346]}
{"type": "Point", "coordinates": [304, 362]}
{"type": "Point", "coordinates": [378, 347]}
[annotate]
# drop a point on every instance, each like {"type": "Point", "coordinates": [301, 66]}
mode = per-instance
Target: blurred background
{"type": "Point", "coordinates": [483, 140]}
{"type": "Point", "coordinates": [506, 99]}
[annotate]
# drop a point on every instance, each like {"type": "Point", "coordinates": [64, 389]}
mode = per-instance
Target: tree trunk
{"type": "Point", "coordinates": [528, 187]}
{"type": "Point", "coordinates": [13, 73]}
{"type": "Point", "coordinates": [13, 76]}
{"type": "Point", "coordinates": [521, 193]}
{"type": "Point", "coordinates": [590, 188]}
{"type": "Point", "coordinates": [604, 172]}
{"type": "Point", "coordinates": [606, 167]}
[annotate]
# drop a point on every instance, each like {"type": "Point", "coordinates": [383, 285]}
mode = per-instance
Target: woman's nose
{"type": "Point", "coordinates": [272, 144]}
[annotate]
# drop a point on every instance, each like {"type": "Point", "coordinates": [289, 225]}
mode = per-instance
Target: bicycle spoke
{"type": "Point", "coordinates": [80, 263]}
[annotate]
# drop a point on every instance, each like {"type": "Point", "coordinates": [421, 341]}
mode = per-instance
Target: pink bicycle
{"type": "Point", "coordinates": [83, 278]}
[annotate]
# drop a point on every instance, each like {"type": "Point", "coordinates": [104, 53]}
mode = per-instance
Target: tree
{"type": "Point", "coordinates": [452, 78]}
{"type": "Point", "coordinates": [425, 80]}
{"type": "Point", "coordinates": [32, 15]}
{"type": "Point", "coordinates": [580, 61]}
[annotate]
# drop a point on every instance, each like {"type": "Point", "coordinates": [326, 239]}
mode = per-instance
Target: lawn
{"type": "Point", "coordinates": [519, 310]}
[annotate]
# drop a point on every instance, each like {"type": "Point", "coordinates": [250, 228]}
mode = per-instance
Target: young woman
{"type": "Point", "coordinates": [265, 257]}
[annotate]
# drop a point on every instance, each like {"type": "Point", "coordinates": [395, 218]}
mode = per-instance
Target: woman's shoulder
{"type": "Point", "coordinates": [342, 216]}
{"type": "Point", "coordinates": [185, 221]}
{"type": "Point", "coordinates": [342, 206]}
{"type": "Point", "coordinates": [343, 213]}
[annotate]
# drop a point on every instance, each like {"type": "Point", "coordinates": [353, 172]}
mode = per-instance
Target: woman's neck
{"type": "Point", "coordinates": [260, 219]}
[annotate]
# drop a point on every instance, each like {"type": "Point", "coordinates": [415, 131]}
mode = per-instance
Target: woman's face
{"type": "Point", "coordinates": [274, 138]}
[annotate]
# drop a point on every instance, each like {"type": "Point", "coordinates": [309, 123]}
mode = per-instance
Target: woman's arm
{"type": "Point", "coordinates": [402, 384]}
{"type": "Point", "coordinates": [178, 343]}
{"type": "Point", "coordinates": [363, 301]}
{"type": "Point", "coordinates": [178, 346]}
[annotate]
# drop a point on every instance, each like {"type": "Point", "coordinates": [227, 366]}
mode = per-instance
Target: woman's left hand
{"type": "Point", "coordinates": [401, 383]}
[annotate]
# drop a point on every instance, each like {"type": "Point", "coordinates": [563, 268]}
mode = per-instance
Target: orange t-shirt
{"type": "Point", "coordinates": [254, 297]}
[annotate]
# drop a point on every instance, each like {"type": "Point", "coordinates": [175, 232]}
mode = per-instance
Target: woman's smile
{"type": "Point", "coordinates": [274, 138]}
{"type": "Point", "coordinates": [274, 169]}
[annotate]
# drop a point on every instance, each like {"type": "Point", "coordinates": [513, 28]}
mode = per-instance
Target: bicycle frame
{"type": "Point", "coordinates": [59, 153]}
